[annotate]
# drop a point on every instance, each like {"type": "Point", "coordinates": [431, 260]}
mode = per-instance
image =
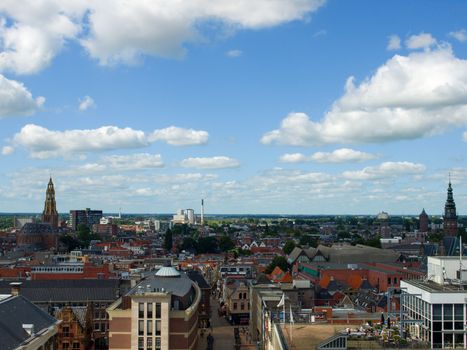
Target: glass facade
{"type": "Point", "coordinates": [443, 325]}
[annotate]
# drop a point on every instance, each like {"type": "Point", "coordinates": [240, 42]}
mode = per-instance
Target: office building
{"type": "Point", "coordinates": [159, 313]}
{"type": "Point", "coordinates": [435, 309]}
{"type": "Point", "coordinates": [87, 217]}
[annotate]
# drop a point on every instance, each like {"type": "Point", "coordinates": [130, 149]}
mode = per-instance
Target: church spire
{"type": "Point", "coordinates": [50, 214]}
{"type": "Point", "coordinates": [450, 215]}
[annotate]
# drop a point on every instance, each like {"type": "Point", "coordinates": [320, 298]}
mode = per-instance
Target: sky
{"type": "Point", "coordinates": [257, 106]}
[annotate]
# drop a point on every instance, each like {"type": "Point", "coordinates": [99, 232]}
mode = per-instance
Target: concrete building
{"type": "Point", "coordinates": [87, 217]}
{"type": "Point", "coordinates": [159, 313]}
{"type": "Point", "coordinates": [435, 309]}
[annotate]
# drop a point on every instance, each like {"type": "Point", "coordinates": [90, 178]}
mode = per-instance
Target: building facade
{"type": "Point", "coordinates": [160, 313]}
{"type": "Point", "coordinates": [435, 309]}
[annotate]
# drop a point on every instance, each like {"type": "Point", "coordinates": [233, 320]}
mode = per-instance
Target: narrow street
{"type": "Point", "coordinates": [222, 331]}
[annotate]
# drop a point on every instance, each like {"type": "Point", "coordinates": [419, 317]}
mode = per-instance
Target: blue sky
{"type": "Point", "coordinates": [264, 106]}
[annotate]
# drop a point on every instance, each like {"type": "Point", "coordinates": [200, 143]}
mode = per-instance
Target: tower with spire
{"type": "Point", "coordinates": [450, 215]}
{"type": "Point", "coordinates": [50, 214]}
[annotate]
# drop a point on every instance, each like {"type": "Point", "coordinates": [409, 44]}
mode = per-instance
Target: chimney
{"type": "Point", "coordinates": [15, 288]}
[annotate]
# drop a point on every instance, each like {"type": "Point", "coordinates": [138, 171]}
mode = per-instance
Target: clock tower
{"type": "Point", "coordinates": [450, 215]}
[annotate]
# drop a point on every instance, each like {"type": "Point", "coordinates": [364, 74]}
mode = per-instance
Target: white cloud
{"type": "Point", "coordinates": [465, 136]}
{"type": "Point", "coordinates": [319, 33]}
{"type": "Point", "coordinates": [341, 155]}
{"type": "Point", "coordinates": [384, 170]}
{"type": "Point", "coordinates": [460, 35]}
{"type": "Point", "coordinates": [33, 32]}
{"type": "Point", "coordinates": [234, 53]}
{"type": "Point", "coordinates": [44, 143]}
{"type": "Point", "coordinates": [36, 31]}
{"type": "Point", "coordinates": [293, 158]}
{"type": "Point", "coordinates": [420, 41]}
{"type": "Point", "coordinates": [16, 100]}
{"type": "Point", "coordinates": [408, 97]}
{"type": "Point", "coordinates": [219, 162]}
{"type": "Point", "coordinates": [85, 103]}
{"type": "Point", "coordinates": [394, 43]}
{"type": "Point", "coordinates": [7, 150]}
{"type": "Point", "coordinates": [134, 161]}
{"type": "Point", "coordinates": [179, 136]}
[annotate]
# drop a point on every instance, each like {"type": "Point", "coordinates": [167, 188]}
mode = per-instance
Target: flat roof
{"type": "Point", "coordinates": [434, 287]}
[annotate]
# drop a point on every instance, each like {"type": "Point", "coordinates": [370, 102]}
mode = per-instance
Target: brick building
{"type": "Point", "coordinates": [159, 313]}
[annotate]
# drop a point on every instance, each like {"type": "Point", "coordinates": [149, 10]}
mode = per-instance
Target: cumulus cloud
{"type": "Point", "coordinates": [219, 162]}
{"type": "Point", "coordinates": [234, 53]}
{"type": "Point", "coordinates": [85, 103]}
{"type": "Point", "coordinates": [341, 155]}
{"type": "Point", "coordinates": [7, 150]}
{"type": "Point", "coordinates": [179, 136]}
{"type": "Point", "coordinates": [384, 170]}
{"type": "Point", "coordinates": [44, 143]}
{"type": "Point", "coordinates": [16, 100]}
{"type": "Point", "coordinates": [394, 43]}
{"type": "Point", "coordinates": [408, 97]}
{"type": "Point", "coordinates": [420, 41]}
{"type": "Point", "coordinates": [32, 33]}
{"type": "Point", "coordinates": [460, 35]}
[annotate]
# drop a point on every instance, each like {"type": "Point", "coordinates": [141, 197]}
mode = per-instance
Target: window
{"type": "Point", "coordinates": [141, 310]}
{"type": "Point", "coordinates": [158, 327]}
{"type": "Point", "coordinates": [389, 280]}
{"type": "Point", "coordinates": [235, 306]}
{"type": "Point", "coordinates": [244, 295]}
{"type": "Point", "coordinates": [140, 327]}
{"type": "Point", "coordinates": [65, 346]}
{"type": "Point", "coordinates": [140, 343]}
{"type": "Point", "coordinates": [149, 343]}
{"type": "Point", "coordinates": [239, 295]}
{"type": "Point", "coordinates": [149, 310]}
{"type": "Point", "coordinates": [149, 327]}
{"type": "Point", "coordinates": [66, 331]}
{"type": "Point", "coordinates": [158, 344]}
{"type": "Point", "coordinates": [395, 280]}
{"type": "Point", "coordinates": [158, 310]}
{"type": "Point", "coordinates": [97, 327]}
{"type": "Point", "coordinates": [76, 345]}
{"type": "Point", "coordinates": [242, 306]}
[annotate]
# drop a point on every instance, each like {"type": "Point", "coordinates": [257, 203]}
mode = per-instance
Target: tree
{"type": "Point", "coordinates": [225, 243]}
{"type": "Point", "coordinates": [69, 242]}
{"type": "Point", "coordinates": [168, 240]}
{"type": "Point", "coordinates": [85, 236]}
{"type": "Point", "coordinates": [278, 261]}
{"type": "Point", "coordinates": [288, 247]}
{"type": "Point", "coordinates": [207, 245]}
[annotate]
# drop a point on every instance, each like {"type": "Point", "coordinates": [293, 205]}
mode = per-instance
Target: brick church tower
{"type": "Point", "coordinates": [50, 214]}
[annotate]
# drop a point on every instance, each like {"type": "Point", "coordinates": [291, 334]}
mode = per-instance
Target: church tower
{"type": "Point", "coordinates": [50, 214]}
{"type": "Point", "coordinates": [450, 216]}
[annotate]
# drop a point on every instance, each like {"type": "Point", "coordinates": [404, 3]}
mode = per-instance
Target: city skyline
{"type": "Point", "coordinates": [295, 107]}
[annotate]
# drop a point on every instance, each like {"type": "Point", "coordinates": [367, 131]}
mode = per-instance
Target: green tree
{"type": "Point", "coordinates": [69, 242]}
{"type": "Point", "coordinates": [84, 235]}
{"type": "Point", "coordinates": [225, 243]}
{"type": "Point", "coordinates": [288, 247]}
{"type": "Point", "coordinates": [277, 261]}
{"type": "Point", "coordinates": [207, 245]}
{"type": "Point", "coordinates": [168, 240]}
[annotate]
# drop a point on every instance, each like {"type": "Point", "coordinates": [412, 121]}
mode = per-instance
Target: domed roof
{"type": "Point", "coordinates": [168, 271]}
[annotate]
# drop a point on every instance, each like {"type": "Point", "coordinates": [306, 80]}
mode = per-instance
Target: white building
{"type": "Point", "coordinates": [184, 216]}
{"type": "Point", "coordinates": [437, 305]}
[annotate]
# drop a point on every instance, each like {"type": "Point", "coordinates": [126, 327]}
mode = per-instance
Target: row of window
{"type": "Point", "coordinates": [151, 327]}
{"type": "Point", "coordinates": [242, 306]}
{"type": "Point", "coordinates": [147, 312]}
{"type": "Point", "coordinates": [151, 343]}
{"type": "Point", "coordinates": [66, 345]}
